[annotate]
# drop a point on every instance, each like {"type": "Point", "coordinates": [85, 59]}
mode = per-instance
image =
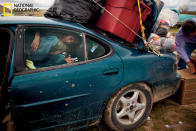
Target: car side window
{"type": "Point", "coordinates": [48, 46]}
{"type": "Point", "coordinates": [95, 48]}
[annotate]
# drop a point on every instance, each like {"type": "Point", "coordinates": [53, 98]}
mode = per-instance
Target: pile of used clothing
{"type": "Point", "coordinates": [120, 18]}
{"type": "Point", "coordinates": [161, 38]}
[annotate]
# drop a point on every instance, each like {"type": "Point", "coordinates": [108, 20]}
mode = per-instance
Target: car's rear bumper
{"type": "Point", "coordinates": [170, 90]}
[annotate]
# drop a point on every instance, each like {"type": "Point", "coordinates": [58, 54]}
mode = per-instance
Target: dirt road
{"type": "Point", "coordinates": [166, 115]}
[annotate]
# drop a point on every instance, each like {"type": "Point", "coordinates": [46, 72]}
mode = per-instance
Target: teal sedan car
{"type": "Point", "coordinates": [62, 76]}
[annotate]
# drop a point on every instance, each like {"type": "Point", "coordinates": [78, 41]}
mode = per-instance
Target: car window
{"type": "Point", "coordinates": [49, 46]}
{"type": "Point", "coordinates": [96, 48]}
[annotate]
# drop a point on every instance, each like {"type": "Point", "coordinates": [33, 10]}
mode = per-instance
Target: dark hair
{"type": "Point", "coordinates": [75, 35]}
{"type": "Point", "coordinates": [189, 27]}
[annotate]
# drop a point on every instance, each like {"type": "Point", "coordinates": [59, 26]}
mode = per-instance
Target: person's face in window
{"type": "Point", "coordinates": [68, 39]}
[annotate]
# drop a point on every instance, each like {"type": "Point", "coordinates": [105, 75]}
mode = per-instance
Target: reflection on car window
{"type": "Point", "coordinates": [95, 48]}
{"type": "Point", "coordinates": [44, 47]}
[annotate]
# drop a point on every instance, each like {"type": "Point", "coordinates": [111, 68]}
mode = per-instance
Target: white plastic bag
{"type": "Point", "coordinates": [168, 15]}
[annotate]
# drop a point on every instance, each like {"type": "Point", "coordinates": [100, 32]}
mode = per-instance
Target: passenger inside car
{"type": "Point", "coordinates": [49, 50]}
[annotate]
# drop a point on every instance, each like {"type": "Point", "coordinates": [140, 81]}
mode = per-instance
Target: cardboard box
{"type": "Point", "coordinates": [187, 90]}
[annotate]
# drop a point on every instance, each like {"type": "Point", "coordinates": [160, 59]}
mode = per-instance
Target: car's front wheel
{"type": "Point", "coordinates": [129, 107]}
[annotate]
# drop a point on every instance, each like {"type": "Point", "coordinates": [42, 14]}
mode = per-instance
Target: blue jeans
{"type": "Point", "coordinates": [189, 48]}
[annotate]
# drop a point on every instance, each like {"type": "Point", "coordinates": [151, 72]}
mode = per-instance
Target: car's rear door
{"type": "Point", "coordinates": [99, 77]}
{"type": "Point", "coordinates": [58, 94]}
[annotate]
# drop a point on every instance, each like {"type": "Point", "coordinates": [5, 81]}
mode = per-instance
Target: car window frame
{"type": "Point", "coordinates": [10, 53]}
{"type": "Point", "coordinates": [21, 40]}
{"type": "Point", "coordinates": [110, 53]}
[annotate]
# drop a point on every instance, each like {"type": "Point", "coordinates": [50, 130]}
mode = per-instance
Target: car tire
{"type": "Point", "coordinates": [129, 107]}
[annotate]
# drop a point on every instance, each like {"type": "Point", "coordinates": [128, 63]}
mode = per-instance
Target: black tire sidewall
{"type": "Point", "coordinates": [145, 115]}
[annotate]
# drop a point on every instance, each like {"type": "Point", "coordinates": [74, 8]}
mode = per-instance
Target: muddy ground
{"type": "Point", "coordinates": [166, 115]}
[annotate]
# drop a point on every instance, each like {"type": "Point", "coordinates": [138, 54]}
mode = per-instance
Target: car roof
{"type": "Point", "coordinates": [38, 20]}
{"type": "Point", "coordinates": [14, 20]}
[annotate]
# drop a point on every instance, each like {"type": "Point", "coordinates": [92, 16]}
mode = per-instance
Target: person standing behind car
{"type": "Point", "coordinates": [186, 44]}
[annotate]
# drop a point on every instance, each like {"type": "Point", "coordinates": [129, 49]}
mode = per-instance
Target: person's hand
{"type": "Point", "coordinates": [35, 42]}
{"type": "Point", "coordinates": [191, 67]}
{"type": "Point", "coordinates": [69, 60]}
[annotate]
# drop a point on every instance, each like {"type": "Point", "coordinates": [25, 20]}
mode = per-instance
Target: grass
{"type": "Point", "coordinates": [173, 30]}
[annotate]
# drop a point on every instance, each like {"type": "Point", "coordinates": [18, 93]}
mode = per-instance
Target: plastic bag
{"type": "Point", "coordinates": [168, 15]}
{"type": "Point", "coordinates": [80, 11]}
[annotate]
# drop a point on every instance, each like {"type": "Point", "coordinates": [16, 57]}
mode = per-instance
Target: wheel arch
{"type": "Point", "coordinates": [146, 84]}
{"type": "Point", "coordinates": [110, 99]}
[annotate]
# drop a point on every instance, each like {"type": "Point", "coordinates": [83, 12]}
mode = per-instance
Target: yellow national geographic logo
{"type": "Point", "coordinates": [9, 6]}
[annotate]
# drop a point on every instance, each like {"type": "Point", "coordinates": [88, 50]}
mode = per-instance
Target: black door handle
{"type": "Point", "coordinates": [112, 71]}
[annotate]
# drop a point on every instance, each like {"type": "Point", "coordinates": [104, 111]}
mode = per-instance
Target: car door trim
{"type": "Point", "coordinates": [50, 101]}
{"type": "Point", "coordinates": [85, 48]}
{"type": "Point", "coordinates": [19, 64]}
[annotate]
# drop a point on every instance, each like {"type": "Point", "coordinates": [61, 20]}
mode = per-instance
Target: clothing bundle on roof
{"type": "Point", "coordinates": [162, 40]}
{"type": "Point", "coordinates": [163, 44]}
{"type": "Point", "coordinates": [80, 11]}
{"type": "Point", "coordinates": [163, 28]}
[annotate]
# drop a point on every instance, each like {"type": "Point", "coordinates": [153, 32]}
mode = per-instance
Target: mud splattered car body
{"type": "Point", "coordinates": [76, 95]}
